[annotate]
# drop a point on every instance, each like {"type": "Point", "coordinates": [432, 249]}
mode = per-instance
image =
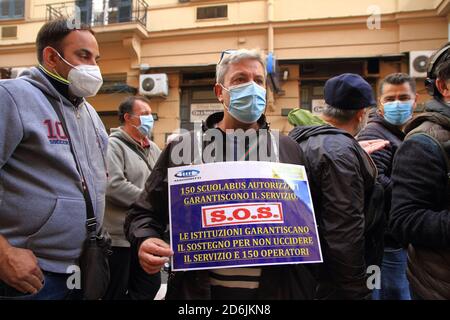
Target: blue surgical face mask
{"type": "Point", "coordinates": [146, 126]}
{"type": "Point", "coordinates": [247, 102]}
{"type": "Point", "coordinates": [398, 112]}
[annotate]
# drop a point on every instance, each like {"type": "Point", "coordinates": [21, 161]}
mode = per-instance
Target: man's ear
{"type": "Point", "coordinates": [380, 108]}
{"type": "Point", "coordinates": [50, 58]}
{"type": "Point", "coordinates": [360, 114]}
{"type": "Point", "coordinates": [415, 101]}
{"type": "Point", "coordinates": [126, 117]}
{"type": "Point", "coordinates": [218, 92]}
{"type": "Point", "coordinates": [442, 87]}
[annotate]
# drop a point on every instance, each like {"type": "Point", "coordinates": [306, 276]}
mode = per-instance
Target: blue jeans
{"type": "Point", "coordinates": [55, 288]}
{"type": "Point", "coordinates": [394, 283]}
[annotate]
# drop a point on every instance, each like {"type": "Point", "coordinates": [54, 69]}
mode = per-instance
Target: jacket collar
{"type": "Point", "coordinates": [436, 111]}
{"type": "Point", "coordinates": [438, 106]}
{"type": "Point", "coordinates": [375, 117]}
{"type": "Point", "coordinates": [212, 121]}
{"type": "Point", "coordinates": [39, 79]}
{"type": "Point", "coordinates": [120, 132]}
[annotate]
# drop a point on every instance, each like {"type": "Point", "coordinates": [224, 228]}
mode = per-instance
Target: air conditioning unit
{"type": "Point", "coordinates": [418, 63]}
{"type": "Point", "coordinates": [154, 85]}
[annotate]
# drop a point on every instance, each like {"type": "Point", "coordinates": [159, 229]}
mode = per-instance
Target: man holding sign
{"type": "Point", "coordinates": [225, 213]}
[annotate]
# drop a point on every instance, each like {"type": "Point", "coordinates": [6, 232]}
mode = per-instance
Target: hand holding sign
{"type": "Point", "coordinates": [153, 254]}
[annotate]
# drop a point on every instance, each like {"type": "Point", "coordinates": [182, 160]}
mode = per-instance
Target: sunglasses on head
{"type": "Point", "coordinates": [225, 52]}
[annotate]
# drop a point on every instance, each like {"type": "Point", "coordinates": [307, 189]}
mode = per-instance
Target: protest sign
{"type": "Point", "coordinates": [234, 214]}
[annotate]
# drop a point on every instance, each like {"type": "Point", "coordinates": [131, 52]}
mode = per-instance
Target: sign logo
{"type": "Point", "coordinates": [187, 173]}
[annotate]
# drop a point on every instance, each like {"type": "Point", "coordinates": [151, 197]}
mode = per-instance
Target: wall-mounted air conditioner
{"type": "Point", "coordinates": [154, 85]}
{"type": "Point", "coordinates": [418, 63]}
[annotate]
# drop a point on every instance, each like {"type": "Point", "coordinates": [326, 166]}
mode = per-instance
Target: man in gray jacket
{"type": "Point", "coordinates": [42, 208]}
{"type": "Point", "coordinates": [131, 158]}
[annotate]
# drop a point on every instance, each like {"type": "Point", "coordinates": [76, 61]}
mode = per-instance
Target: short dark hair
{"type": "Point", "coordinates": [398, 79]}
{"type": "Point", "coordinates": [441, 68]}
{"type": "Point", "coordinates": [53, 33]}
{"type": "Point", "coordinates": [126, 106]}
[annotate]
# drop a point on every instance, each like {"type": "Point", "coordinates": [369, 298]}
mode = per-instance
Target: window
{"type": "Point", "coordinates": [212, 12]}
{"type": "Point", "coordinates": [119, 11]}
{"type": "Point", "coordinates": [311, 92]}
{"type": "Point", "coordinates": [100, 12]}
{"type": "Point", "coordinates": [12, 9]}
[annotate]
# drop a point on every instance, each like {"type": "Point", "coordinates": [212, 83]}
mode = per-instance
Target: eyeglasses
{"type": "Point", "coordinates": [228, 51]}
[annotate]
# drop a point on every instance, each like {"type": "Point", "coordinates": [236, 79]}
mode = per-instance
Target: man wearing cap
{"type": "Point", "coordinates": [341, 177]}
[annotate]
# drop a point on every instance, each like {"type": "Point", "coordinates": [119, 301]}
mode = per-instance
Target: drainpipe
{"type": "Point", "coordinates": [270, 18]}
{"type": "Point", "coordinates": [448, 19]}
{"type": "Point", "coordinates": [270, 47]}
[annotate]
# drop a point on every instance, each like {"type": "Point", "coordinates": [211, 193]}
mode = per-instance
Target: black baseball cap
{"type": "Point", "coordinates": [349, 91]}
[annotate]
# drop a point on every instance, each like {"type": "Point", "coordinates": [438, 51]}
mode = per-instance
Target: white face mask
{"type": "Point", "coordinates": [84, 80]}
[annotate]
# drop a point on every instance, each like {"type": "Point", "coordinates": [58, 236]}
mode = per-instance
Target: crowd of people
{"type": "Point", "coordinates": [379, 176]}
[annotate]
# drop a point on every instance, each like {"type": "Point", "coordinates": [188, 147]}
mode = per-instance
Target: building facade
{"type": "Point", "coordinates": [177, 44]}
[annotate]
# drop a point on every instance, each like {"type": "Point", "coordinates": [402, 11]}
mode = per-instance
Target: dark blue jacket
{"type": "Point", "coordinates": [341, 177]}
{"type": "Point", "coordinates": [378, 128]}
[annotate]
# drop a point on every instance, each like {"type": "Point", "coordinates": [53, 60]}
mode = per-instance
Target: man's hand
{"type": "Point", "coordinates": [153, 253]}
{"type": "Point", "coordinates": [370, 146]}
{"type": "Point", "coordinates": [19, 269]}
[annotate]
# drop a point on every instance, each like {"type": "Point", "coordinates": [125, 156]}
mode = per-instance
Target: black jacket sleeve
{"type": "Point", "coordinates": [419, 215]}
{"type": "Point", "coordinates": [382, 158]}
{"type": "Point", "coordinates": [149, 215]}
{"type": "Point", "coordinates": [342, 224]}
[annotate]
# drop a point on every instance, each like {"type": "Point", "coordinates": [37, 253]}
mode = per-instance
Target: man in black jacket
{"type": "Point", "coordinates": [420, 214]}
{"type": "Point", "coordinates": [241, 80]}
{"type": "Point", "coordinates": [398, 99]}
{"type": "Point", "coordinates": [341, 176]}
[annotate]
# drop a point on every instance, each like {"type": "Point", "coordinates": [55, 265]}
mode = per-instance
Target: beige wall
{"type": "Point", "coordinates": [169, 15]}
{"type": "Point", "coordinates": [290, 100]}
{"type": "Point", "coordinates": [183, 16]}
{"type": "Point", "coordinates": [302, 30]}
{"type": "Point", "coordinates": [320, 9]}
{"type": "Point", "coordinates": [168, 110]}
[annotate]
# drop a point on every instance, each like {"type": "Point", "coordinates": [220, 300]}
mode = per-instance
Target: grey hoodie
{"type": "Point", "coordinates": [41, 201]}
{"type": "Point", "coordinates": [127, 176]}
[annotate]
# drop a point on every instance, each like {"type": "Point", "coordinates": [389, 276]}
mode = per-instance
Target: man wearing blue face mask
{"type": "Point", "coordinates": [52, 164]}
{"type": "Point", "coordinates": [240, 87]}
{"type": "Point", "coordinates": [131, 158]}
{"type": "Point", "coordinates": [398, 99]}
